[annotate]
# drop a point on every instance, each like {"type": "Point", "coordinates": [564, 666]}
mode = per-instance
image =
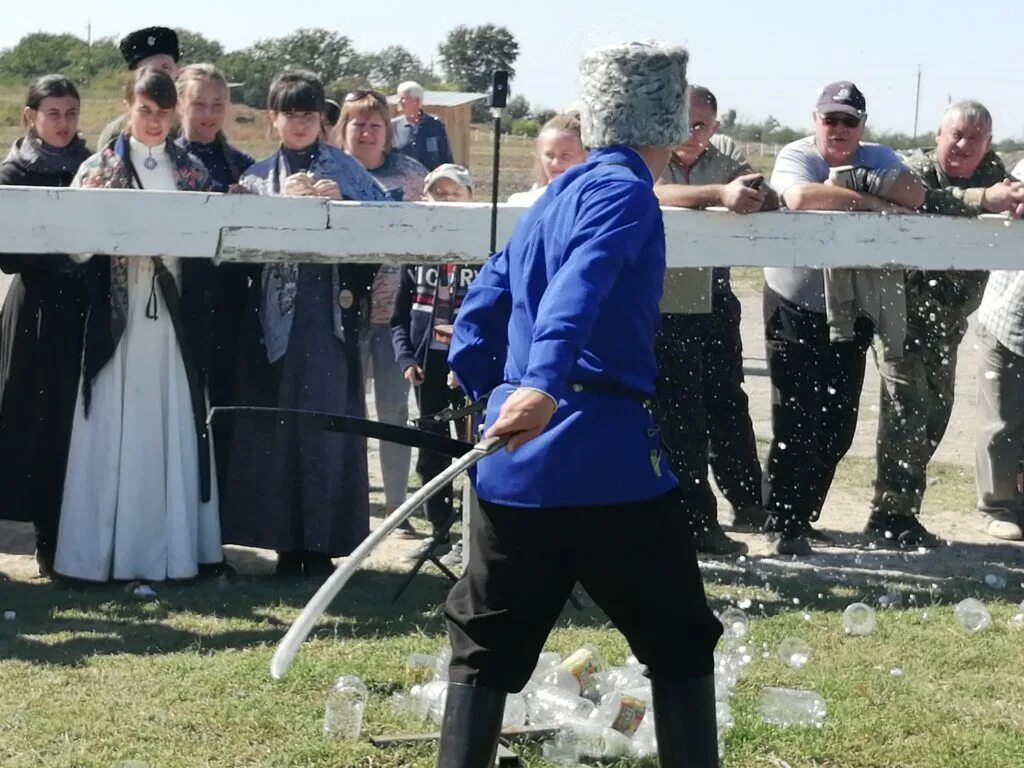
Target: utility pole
{"type": "Point", "coordinates": [917, 100]}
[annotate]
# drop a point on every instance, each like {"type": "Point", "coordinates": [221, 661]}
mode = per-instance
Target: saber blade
{"type": "Point", "coordinates": [318, 604]}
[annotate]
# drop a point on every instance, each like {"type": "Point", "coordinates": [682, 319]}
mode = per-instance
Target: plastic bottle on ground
{"type": "Point", "coordinates": [343, 715]}
{"type": "Point", "coordinates": [794, 652]}
{"type": "Point", "coordinates": [583, 665]}
{"type": "Point", "coordinates": [859, 619]}
{"type": "Point", "coordinates": [420, 668]}
{"type": "Point", "coordinates": [645, 740]}
{"type": "Point", "coordinates": [515, 711]}
{"type": "Point", "coordinates": [553, 706]}
{"type": "Point", "coordinates": [972, 615]}
{"type": "Point", "coordinates": [789, 707]}
{"type": "Point", "coordinates": [546, 661]}
{"type": "Point", "coordinates": [444, 658]}
{"type": "Point", "coordinates": [431, 699]}
{"type": "Point", "coordinates": [734, 622]}
{"type": "Point", "coordinates": [620, 712]}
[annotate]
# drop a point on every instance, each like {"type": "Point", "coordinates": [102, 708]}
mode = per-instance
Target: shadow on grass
{"type": "Point", "coordinates": [832, 578]}
{"type": "Point", "coordinates": [57, 623]}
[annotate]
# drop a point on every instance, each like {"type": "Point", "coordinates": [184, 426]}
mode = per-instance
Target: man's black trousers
{"type": "Point", "coordinates": [636, 560]}
{"type": "Point", "coordinates": [816, 385]}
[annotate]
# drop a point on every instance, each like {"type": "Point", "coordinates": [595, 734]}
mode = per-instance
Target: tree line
{"type": "Point", "coordinates": [467, 57]}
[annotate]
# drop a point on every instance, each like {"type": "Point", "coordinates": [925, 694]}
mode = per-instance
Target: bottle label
{"type": "Point", "coordinates": [631, 714]}
{"type": "Point", "coordinates": [583, 665]}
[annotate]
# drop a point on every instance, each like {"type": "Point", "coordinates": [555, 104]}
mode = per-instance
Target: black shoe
{"type": "Point", "coordinates": [472, 725]}
{"type": "Point", "coordinates": [750, 517]}
{"type": "Point", "coordinates": [820, 538]}
{"type": "Point", "coordinates": [44, 562]}
{"type": "Point", "coordinates": [215, 570]}
{"type": "Point", "coordinates": [901, 531]}
{"type": "Point", "coordinates": [289, 565]}
{"type": "Point", "coordinates": [713, 541]}
{"type": "Point", "coordinates": [685, 722]}
{"type": "Point", "coordinates": [795, 546]}
{"type": "Point", "coordinates": [316, 565]}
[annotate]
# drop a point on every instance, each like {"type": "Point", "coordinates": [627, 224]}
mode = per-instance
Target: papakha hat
{"type": "Point", "coordinates": [151, 41]}
{"type": "Point", "coordinates": [634, 95]}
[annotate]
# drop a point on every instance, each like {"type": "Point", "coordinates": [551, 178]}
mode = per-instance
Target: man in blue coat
{"type": "Point", "coordinates": [559, 328]}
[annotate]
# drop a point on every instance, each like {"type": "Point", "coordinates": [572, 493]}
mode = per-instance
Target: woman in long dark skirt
{"type": "Point", "coordinates": [204, 102]}
{"type": "Point", "coordinates": [42, 320]}
{"type": "Point", "coordinates": [292, 486]}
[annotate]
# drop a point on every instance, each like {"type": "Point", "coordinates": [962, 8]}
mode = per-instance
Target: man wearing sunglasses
{"type": "Point", "coordinates": [816, 379]}
{"type": "Point", "coordinates": [703, 411]}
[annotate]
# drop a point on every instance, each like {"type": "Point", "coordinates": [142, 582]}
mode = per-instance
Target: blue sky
{"type": "Point", "coordinates": [759, 58]}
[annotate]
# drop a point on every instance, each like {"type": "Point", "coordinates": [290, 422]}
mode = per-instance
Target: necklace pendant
{"type": "Point", "coordinates": [150, 163]}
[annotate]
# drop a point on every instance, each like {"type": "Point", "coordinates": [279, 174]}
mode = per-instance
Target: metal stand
{"type": "Point", "coordinates": [496, 112]}
{"type": "Point", "coordinates": [428, 556]}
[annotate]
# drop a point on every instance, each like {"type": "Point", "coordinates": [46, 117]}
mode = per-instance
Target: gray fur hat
{"type": "Point", "coordinates": [634, 95]}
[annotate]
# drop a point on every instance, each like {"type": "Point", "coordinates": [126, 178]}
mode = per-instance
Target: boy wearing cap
{"type": "Point", "coordinates": [149, 48]}
{"type": "Point", "coordinates": [816, 380]}
{"type": "Point", "coordinates": [430, 296]}
{"type": "Point", "coordinates": [559, 328]}
{"type": "Point", "coordinates": [448, 183]}
{"type": "Point", "coordinates": [417, 133]}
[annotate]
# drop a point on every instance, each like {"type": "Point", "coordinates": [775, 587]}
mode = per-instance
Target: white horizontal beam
{"type": "Point", "coordinates": [250, 228]}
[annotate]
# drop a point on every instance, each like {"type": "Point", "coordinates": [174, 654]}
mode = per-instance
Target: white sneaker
{"type": "Point", "coordinates": [454, 557]}
{"type": "Point", "coordinates": [1003, 525]}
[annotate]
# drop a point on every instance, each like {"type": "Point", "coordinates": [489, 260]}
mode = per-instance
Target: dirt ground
{"type": "Point", "coordinates": [969, 553]}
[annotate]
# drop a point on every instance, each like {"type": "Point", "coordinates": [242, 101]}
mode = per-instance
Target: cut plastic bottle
{"type": "Point", "coordinates": [346, 703]}
{"type": "Point", "coordinates": [791, 707]}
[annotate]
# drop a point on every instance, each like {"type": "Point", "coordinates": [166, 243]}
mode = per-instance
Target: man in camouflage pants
{"type": "Point", "coordinates": [963, 177]}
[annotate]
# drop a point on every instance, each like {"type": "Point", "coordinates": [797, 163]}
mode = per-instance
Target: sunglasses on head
{"type": "Point", "coordinates": [849, 121]}
{"type": "Point", "coordinates": [361, 93]}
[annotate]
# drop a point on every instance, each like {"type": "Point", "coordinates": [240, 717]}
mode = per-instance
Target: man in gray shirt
{"type": "Point", "coordinates": [816, 382]}
{"type": "Point", "coordinates": [999, 453]}
{"type": "Point", "coordinates": [703, 411]}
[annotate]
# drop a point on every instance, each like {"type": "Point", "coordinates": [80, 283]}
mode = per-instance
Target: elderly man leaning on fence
{"type": "Point", "coordinates": [963, 177]}
{"type": "Point", "coordinates": [700, 355]}
{"type": "Point", "coordinates": [816, 345]}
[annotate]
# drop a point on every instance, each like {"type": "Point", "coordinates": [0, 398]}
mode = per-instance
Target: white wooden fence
{"type": "Point", "coordinates": [249, 228]}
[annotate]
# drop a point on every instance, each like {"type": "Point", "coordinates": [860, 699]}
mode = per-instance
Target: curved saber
{"type": "Point", "coordinates": [315, 608]}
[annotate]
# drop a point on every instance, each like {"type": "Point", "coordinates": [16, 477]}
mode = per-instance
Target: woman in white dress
{"type": "Point", "coordinates": [140, 502]}
{"type": "Point", "coordinates": [559, 148]}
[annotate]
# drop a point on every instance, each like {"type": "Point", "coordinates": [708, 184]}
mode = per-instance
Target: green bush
{"type": "Point", "coordinates": [523, 128]}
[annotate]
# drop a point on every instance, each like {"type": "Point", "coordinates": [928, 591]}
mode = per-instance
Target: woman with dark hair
{"type": "Point", "coordinates": [140, 501]}
{"type": "Point", "coordinates": [364, 132]}
{"type": "Point", "coordinates": [292, 486]}
{"type": "Point", "coordinates": [40, 326]}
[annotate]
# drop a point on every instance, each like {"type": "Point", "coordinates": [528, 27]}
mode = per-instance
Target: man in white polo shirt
{"type": "Point", "coordinates": [816, 381]}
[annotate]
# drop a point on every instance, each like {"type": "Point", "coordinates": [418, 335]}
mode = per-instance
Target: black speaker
{"type": "Point", "coordinates": [499, 88]}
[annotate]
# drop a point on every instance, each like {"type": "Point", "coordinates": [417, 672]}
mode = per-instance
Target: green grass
{"type": "Point", "coordinates": [91, 676]}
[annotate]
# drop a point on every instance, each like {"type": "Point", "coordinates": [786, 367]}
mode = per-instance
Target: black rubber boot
{"type": "Point", "coordinates": [685, 722]}
{"type": "Point", "coordinates": [472, 725]}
